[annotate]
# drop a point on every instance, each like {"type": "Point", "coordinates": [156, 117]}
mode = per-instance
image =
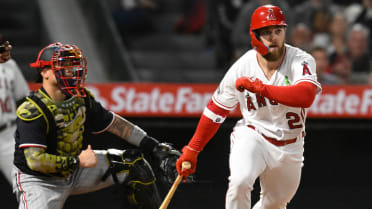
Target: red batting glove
{"type": "Point", "coordinates": [190, 155]}
{"type": "Point", "coordinates": [254, 85]}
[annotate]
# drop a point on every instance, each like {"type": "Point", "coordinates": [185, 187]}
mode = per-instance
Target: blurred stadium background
{"type": "Point", "coordinates": [152, 45]}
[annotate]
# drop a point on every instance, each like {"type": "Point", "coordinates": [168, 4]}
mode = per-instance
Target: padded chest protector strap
{"type": "Point", "coordinates": [51, 132]}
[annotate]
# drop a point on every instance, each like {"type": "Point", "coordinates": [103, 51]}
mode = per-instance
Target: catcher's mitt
{"type": "Point", "coordinates": [163, 162]}
{"type": "Point", "coordinates": [165, 158]}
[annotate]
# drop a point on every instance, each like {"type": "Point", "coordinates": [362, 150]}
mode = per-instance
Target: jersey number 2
{"type": "Point", "coordinates": [293, 118]}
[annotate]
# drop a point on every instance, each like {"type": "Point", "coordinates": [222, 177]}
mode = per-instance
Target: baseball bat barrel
{"type": "Point", "coordinates": [164, 205]}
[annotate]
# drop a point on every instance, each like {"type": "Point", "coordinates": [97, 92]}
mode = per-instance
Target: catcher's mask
{"type": "Point", "coordinates": [68, 64]}
{"type": "Point", "coordinates": [264, 16]}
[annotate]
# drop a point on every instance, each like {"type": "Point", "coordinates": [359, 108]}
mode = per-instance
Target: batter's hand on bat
{"type": "Point", "coordinates": [254, 85]}
{"type": "Point", "coordinates": [88, 158]}
{"type": "Point", "coordinates": [188, 155]}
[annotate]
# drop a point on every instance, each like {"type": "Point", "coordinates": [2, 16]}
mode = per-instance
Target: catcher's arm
{"type": "Point", "coordinates": [39, 160]}
{"type": "Point", "coordinates": [132, 134]}
{"type": "Point", "coordinates": [161, 155]}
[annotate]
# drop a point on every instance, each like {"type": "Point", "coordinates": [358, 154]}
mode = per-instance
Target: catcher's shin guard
{"type": "Point", "coordinates": [139, 186]}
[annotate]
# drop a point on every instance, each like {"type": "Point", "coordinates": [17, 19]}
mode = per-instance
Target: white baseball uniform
{"type": "Point", "coordinates": [268, 141]}
{"type": "Point", "coordinates": [13, 87]}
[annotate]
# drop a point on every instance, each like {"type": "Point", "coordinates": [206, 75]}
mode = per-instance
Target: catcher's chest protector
{"type": "Point", "coordinates": [65, 121]}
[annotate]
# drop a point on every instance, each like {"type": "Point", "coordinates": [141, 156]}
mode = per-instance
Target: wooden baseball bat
{"type": "Point", "coordinates": [185, 165]}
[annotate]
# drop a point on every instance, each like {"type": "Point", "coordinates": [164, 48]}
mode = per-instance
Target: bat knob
{"type": "Point", "coordinates": [186, 165]}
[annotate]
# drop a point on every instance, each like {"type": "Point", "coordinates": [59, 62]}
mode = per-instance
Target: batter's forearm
{"type": "Point", "coordinates": [204, 132]}
{"type": "Point", "coordinates": [210, 121]}
{"type": "Point", "coordinates": [38, 160]}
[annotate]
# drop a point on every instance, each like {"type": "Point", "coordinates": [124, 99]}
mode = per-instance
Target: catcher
{"type": "Point", "coordinates": [53, 158]}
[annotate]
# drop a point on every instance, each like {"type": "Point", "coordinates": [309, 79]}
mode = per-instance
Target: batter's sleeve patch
{"type": "Point", "coordinates": [305, 69]}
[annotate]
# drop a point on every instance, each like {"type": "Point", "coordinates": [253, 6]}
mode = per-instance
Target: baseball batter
{"type": "Point", "coordinates": [13, 88]}
{"type": "Point", "coordinates": [274, 84]}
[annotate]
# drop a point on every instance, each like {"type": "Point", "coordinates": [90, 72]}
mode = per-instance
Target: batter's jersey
{"type": "Point", "coordinates": [268, 116]}
{"type": "Point", "coordinates": [13, 87]}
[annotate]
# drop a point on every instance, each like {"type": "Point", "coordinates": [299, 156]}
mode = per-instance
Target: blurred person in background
{"type": "Point", "coordinates": [337, 29]}
{"type": "Point", "coordinates": [134, 17]}
{"type": "Point", "coordinates": [13, 89]}
{"type": "Point", "coordinates": [221, 16]}
{"type": "Point", "coordinates": [353, 65]}
{"type": "Point", "coordinates": [304, 12]}
{"type": "Point", "coordinates": [240, 35]}
{"type": "Point", "coordinates": [193, 18]}
{"type": "Point", "coordinates": [357, 49]}
{"type": "Point", "coordinates": [320, 19]}
{"type": "Point", "coordinates": [360, 13]}
{"type": "Point", "coordinates": [322, 67]}
{"type": "Point", "coordinates": [301, 37]}
{"type": "Point", "coordinates": [341, 67]}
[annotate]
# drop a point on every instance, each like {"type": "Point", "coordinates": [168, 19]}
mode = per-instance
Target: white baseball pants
{"type": "Point", "coordinates": [278, 168]}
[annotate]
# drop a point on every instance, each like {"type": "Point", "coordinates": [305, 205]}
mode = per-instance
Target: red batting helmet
{"type": "Point", "coordinates": [68, 64]}
{"type": "Point", "coordinates": [264, 16]}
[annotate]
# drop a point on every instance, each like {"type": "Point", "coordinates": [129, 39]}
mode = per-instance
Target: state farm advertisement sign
{"type": "Point", "coordinates": [189, 100]}
{"type": "Point", "coordinates": [154, 99]}
{"type": "Point", "coordinates": [343, 102]}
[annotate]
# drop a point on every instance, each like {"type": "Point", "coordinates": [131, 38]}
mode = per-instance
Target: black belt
{"type": "Point", "coordinates": [6, 125]}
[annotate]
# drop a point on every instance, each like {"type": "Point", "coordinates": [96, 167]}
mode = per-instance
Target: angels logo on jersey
{"type": "Point", "coordinates": [305, 69]}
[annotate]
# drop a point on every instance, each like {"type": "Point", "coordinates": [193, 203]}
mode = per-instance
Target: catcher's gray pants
{"type": "Point", "coordinates": [35, 192]}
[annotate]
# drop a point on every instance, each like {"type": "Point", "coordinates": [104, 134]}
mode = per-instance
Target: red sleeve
{"type": "Point", "coordinates": [299, 95]}
{"type": "Point", "coordinates": [206, 128]}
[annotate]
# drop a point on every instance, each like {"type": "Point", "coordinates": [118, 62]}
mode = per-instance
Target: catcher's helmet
{"type": "Point", "coordinates": [68, 64]}
{"type": "Point", "coordinates": [264, 16]}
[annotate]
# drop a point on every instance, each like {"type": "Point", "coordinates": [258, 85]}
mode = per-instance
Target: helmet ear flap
{"type": "Point", "coordinates": [257, 44]}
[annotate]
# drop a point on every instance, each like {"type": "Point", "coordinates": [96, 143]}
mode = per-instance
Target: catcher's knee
{"type": "Point", "coordinates": [139, 185]}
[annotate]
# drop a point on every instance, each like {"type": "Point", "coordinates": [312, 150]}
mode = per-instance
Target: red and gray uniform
{"type": "Point", "coordinates": [50, 185]}
{"type": "Point", "coordinates": [13, 87]}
